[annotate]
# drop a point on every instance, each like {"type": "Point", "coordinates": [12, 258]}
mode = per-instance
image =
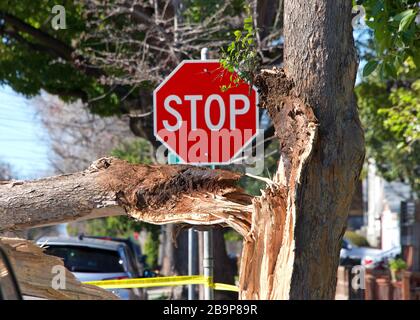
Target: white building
{"type": "Point", "coordinates": [382, 216]}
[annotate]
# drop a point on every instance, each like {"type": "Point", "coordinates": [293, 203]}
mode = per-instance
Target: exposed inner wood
{"type": "Point", "coordinates": [155, 194]}
{"type": "Point", "coordinates": [267, 259]}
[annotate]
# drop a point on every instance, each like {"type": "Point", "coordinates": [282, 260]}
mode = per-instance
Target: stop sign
{"type": "Point", "coordinates": [200, 122]}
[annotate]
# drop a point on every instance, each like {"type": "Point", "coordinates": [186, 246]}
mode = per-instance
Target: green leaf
{"type": "Point", "coordinates": [390, 70]}
{"type": "Point", "coordinates": [406, 21]}
{"type": "Point", "coordinates": [237, 34]}
{"type": "Point", "coordinates": [231, 47]}
{"type": "Point", "coordinates": [370, 67]}
{"type": "Point", "coordinates": [402, 15]}
{"type": "Point", "coordinates": [248, 20]}
{"type": "Point", "coordinates": [381, 72]}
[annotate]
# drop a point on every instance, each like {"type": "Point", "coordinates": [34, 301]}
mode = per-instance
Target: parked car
{"type": "Point", "coordinates": [95, 259]}
{"type": "Point", "coordinates": [351, 254]}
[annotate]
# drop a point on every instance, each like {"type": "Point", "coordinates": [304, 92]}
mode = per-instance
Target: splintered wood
{"type": "Point", "coordinates": [267, 261]}
{"type": "Point", "coordinates": [35, 271]}
{"type": "Point", "coordinates": [154, 194]}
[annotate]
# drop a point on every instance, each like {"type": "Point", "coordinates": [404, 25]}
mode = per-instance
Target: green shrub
{"type": "Point", "coordinates": [397, 264]}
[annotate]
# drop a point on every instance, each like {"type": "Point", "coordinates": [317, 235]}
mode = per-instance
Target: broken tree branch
{"type": "Point", "coordinates": [154, 194]}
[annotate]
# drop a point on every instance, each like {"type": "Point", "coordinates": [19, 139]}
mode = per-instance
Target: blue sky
{"type": "Point", "coordinates": [23, 141]}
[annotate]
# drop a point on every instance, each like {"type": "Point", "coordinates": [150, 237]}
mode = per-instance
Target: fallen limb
{"type": "Point", "coordinates": [155, 194]}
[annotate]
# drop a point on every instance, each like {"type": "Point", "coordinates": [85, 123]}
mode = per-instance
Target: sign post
{"type": "Point", "coordinates": [208, 261]}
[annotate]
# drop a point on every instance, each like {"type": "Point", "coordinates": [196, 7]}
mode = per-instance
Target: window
{"type": "Point", "coordinates": [85, 259]}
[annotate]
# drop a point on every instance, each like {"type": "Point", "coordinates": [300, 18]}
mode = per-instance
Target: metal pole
{"type": "Point", "coordinates": [192, 237]}
{"type": "Point", "coordinates": [192, 261]}
{"type": "Point", "coordinates": [204, 53]}
{"type": "Point", "coordinates": [208, 262]}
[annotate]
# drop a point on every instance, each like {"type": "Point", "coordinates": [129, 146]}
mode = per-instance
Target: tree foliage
{"type": "Point", "coordinates": [388, 95]}
{"type": "Point", "coordinates": [390, 114]}
{"type": "Point", "coordinates": [111, 50]}
{"type": "Point", "coordinates": [395, 35]}
{"type": "Point", "coordinates": [241, 55]}
{"type": "Point", "coordinates": [35, 56]}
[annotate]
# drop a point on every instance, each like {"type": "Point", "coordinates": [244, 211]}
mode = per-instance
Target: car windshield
{"type": "Point", "coordinates": [85, 259]}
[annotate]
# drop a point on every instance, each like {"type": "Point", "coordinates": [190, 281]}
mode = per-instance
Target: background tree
{"type": "Point", "coordinates": [394, 35]}
{"type": "Point", "coordinates": [76, 137]}
{"type": "Point", "coordinates": [114, 52]}
{"type": "Point", "coordinates": [390, 111]}
{"type": "Point", "coordinates": [389, 90]}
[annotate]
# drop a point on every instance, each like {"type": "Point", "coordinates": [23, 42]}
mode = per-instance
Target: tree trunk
{"type": "Point", "coordinates": [299, 221]}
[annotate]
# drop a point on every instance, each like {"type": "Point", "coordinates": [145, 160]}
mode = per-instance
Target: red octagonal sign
{"type": "Point", "coordinates": [200, 122]}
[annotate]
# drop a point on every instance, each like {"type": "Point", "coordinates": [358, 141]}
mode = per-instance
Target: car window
{"type": "Point", "coordinates": [85, 259]}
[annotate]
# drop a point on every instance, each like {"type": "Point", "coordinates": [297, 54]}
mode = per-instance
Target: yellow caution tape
{"type": "Point", "coordinates": [162, 282]}
{"type": "Point", "coordinates": [225, 287]}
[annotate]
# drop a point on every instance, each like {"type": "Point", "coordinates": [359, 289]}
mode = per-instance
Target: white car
{"type": "Point", "coordinates": [352, 254]}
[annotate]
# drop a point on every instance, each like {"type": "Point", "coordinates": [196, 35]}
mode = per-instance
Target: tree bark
{"type": "Point", "coordinates": [154, 194]}
{"type": "Point", "coordinates": [299, 221]}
